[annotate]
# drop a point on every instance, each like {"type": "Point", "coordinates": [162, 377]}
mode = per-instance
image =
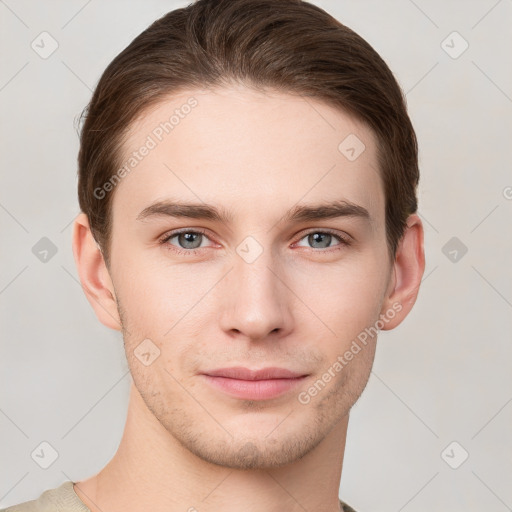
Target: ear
{"type": "Point", "coordinates": [94, 275]}
{"type": "Point", "coordinates": [408, 269]}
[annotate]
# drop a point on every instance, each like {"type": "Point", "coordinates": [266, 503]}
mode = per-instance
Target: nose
{"type": "Point", "coordinates": [256, 302]}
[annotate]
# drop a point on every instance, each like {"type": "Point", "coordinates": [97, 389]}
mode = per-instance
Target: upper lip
{"type": "Point", "coordinates": [241, 373]}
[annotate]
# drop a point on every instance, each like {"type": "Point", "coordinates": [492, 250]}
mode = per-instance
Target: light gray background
{"type": "Point", "coordinates": [444, 375]}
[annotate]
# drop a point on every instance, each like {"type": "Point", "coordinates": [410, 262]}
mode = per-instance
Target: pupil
{"type": "Point", "coordinates": [318, 237]}
{"type": "Point", "coordinates": [189, 238]}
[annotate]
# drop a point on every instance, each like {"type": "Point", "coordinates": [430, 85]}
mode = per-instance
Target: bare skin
{"type": "Point", "coordinates": [299, 305]}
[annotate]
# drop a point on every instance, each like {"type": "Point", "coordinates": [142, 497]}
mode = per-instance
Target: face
{"type": "Point", "coordinates": [259, 276]}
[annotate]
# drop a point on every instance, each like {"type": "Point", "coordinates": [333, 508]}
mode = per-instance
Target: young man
{"type": "Point", "coordinates": [247, 180]}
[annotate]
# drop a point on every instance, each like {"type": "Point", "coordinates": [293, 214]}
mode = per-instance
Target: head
{"type": "Point", "coordinates": [291, 137]}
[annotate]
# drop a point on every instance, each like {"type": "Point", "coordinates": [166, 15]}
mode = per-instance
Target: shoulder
{"type": "Point", "coordinates": [60, 499]}
{"type": "Point", "coordinates": [344, 507]}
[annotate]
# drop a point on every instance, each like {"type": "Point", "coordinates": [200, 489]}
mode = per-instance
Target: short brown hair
{"type": "Point", "coordinates": [288, 45]}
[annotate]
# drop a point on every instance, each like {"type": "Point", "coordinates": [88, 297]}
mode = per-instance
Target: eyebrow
{"type": "Point", "coordinates": [298, 213]}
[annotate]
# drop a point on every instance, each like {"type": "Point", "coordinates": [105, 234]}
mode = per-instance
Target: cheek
{"type": "Point", "coordinates": [156, 293]}
{"type": "Point", "coordinates": [168, 304]}
{"type": "Point", "coordinates": [346, 297]}
{"type": "Point", "coordinates": [162, 298]}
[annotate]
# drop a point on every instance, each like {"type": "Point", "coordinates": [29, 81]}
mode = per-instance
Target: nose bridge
{"type": "Point", "coordinates": [254, 271]}
{"type": "Point", "coordinates": [257, 303]}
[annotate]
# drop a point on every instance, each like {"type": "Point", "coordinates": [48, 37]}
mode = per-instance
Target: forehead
{"type": "Point", "coordinates": [242, 148]}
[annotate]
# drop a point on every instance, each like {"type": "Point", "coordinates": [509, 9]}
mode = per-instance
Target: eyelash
{"type": "Point", "coordinates": [344, 241]}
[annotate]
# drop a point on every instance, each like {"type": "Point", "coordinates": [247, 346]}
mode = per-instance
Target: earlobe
{"type": "Point", "coordinates": [94, 275]}
{"type": "Point", "coordinates": [408, 270]}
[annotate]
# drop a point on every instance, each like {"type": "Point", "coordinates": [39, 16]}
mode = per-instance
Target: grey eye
{"type": "Point", "coordinates": [189, 239]}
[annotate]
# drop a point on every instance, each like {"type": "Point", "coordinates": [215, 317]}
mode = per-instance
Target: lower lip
{"type": "Point", "coordinates": [254, 389]}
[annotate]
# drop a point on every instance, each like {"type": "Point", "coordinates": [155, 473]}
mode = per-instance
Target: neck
{"type": "Point", "coordinates": [152, 470]}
